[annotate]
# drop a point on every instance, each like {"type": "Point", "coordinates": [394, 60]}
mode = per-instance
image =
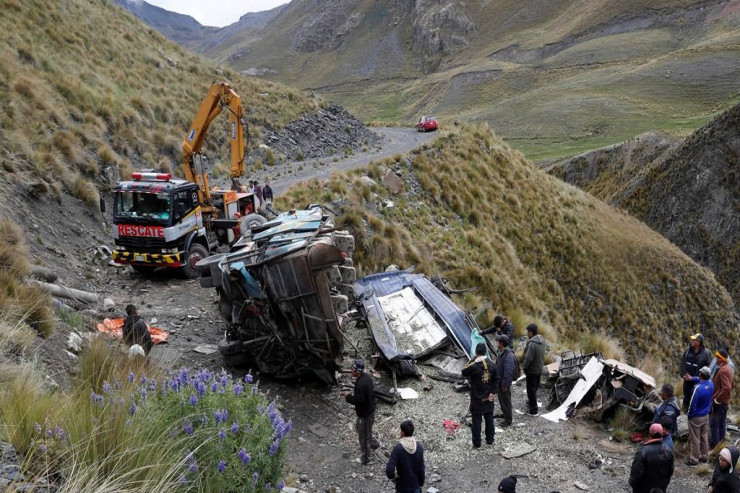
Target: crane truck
{"type": "Point", "coordinates": [164, 222]}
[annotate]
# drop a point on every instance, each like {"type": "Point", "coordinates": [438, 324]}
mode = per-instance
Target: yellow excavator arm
{"type": "Point", "coordinates": [219, 96]}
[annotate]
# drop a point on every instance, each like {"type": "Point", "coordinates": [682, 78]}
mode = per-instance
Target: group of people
{"type": "Point", "coordinates": [707, 387]}
{"type": "Point", "coordinates": [405, 465]}
{"type": "Point", "coordinates": [264, 194]}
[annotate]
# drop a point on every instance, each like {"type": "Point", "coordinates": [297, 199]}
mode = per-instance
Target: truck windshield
{"type": "Point", "coordinates": [151, 206]}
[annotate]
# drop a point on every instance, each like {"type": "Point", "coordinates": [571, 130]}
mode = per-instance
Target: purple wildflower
{"type": "Point", "coordinates": [221, 434]}
{"type": "Point", "coordinates": [244, 456]}
{"type": "Point", "coordinates": [214, 387]}
{"type": "Point", "coordinates": [131, 377]}
{"type": "Point", "coordinates": [193, 399]}
{"type": "Point", "coordinates": [235, 428]}
{"type": "Point", "coordinates": [268, 487]}
{"type": "Point", "coordinates": [274, 447]}
{"type": "Point", "coordinates": [254, 389]}
{"type": "Point", "coordinates": [181, 479]}
{"type": "Point", "coordinates": [117, 385]}
{"type": "Point", "coordinates": [96, 398]}
{"type": "Point", "coordinates": [255, 476]}
{"type": "Point", "coordinates": [238, 389]}
{"type": "Point", "coordinates": [187, 428]}
{"type": "Point", "coordinates": [132, 409]}
{"type": "Point", "coordinates": [142, 392]}
{"type": "Point", "coordinates": [49, 433]}
{"type": "Point", "coordinates": [144, 380]}
{"type": "Point", "coordinates": [60, 433]}
{"type": "Point", "coordinates": [280, 486]}
{"type": "Point", "coordinates": [248, 378]}
{"type": "Point", "coordinates": [37, 427]}
{"type": "Point", "coordinates": [193, 467]}
{"type": "Point", "coordinates": [152, 384]}
{"type": "Point", "coordinates": [200, 387]}
{"type": "Point", "coordinates": [42, 448]}
{"type": "Point", "coordinates": [221, 466]}
{"type": "Point", "coordinates": [106, 388]}
{"type": "Point", "coordinates": [221, 416]}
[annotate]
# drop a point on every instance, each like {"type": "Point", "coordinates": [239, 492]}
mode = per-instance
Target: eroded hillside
{"type": "Point", "coordinates": [476, 212]}
{"type": "Point", "coordinates": [688, 190]}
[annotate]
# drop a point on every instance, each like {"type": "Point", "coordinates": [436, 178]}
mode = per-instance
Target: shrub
{"type": "Point", "coordinates": [623, 423]}
{"type": "Point", "coordinates": [270, 157]}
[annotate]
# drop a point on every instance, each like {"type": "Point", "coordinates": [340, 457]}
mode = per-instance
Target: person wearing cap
{"type": "Point", "coordinates": [363, 399]}
{"type": "Point", "coordinates": [725, 478]}
{"type": "Point", "coordinates": [723, 383]}
{"type": "Point", "coordinates": [534, 360]}
{"type": "Point", "coordinates": [507, 485]}
{"type": "Point", "coordinates": [713, 367]}
{"type": "Point", "coordinates": [652, 466]}
{"type": "Point", "coordinates": [501, 325]}
{"type": "Point", "coordinates": [698, 414]}
{"type": "Point", "coordinates": [481, 372]}
{"type": "Point", "coordinates": [406, 464]}
{"type": "Point", "coordinates": [669, 408]}
{"type": "Point", "coordinates": [695, 357]}
{"type": "Point", "coordinates": [505, 365]}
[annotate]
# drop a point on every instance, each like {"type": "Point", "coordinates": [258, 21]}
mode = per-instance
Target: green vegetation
{"type": "Point", "coordinates": [87, 86]}
{"type": "Point", "coordinates": [533, 247]}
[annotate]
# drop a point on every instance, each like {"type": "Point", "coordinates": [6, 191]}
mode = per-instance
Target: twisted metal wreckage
{"type": "Point", "coordinates": [288, 288]}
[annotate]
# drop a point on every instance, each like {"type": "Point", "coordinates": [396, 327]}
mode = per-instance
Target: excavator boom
{"type": "Point", "coordinates": [219, 96]}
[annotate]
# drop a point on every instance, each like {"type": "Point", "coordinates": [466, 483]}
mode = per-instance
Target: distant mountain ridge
{"type": "Point", "coordinates": [553, 77]}
{"type": "Point", "coordinates": [688, 190]}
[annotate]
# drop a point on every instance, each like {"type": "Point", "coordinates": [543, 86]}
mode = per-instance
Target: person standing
{"type": "Point", "coordinates": [669, 408]}
{"type": "Point", "coordinates": [501, 325]}
{"type": "Point", "coordinates": [406, 463]}
{"type": "Point", "coordinates": [725, 478]}
{"type": "Point", "coordinates": [267, 192]}
{"type": "Point", "coordinates": [699, 407]}
{"type": "Point", "coordinates": [258, 190]}
{"type": "Point", "coordinates": [723, 383]}
{"type": "Point", "coordinates": [481, 373]}
{"type": "Point", "coordinates": [363, 399]}
{"type": "Point", "coordinates": [695, 357]}
{"type": "Point", "coordinates": [505, 365]}
{"type": "Point", "coordinates": [135, 330]}
{"type": "Point", "coordinates": [534, 360]}
{"type": "Point", "coordinates": [713, 365]}
{"type": "Point", "coordinates": [653, 465]}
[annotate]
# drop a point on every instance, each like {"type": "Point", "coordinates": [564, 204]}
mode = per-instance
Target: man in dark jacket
{"type": "Point", "coordinates": [135, 330]}
{"type": "Point", "coordinates": [363, 399]}
{"type": "Point", "coordinates": [725, 478]}
{"type": "Point", "coordinates": [694, 358]}
{"type": "Point", "coordinates": [505, 370]}
{"type": "Point", "coordinates": [267, 192]}
{"type": "Point", "coordinates": [534, 360]}
{"type": "Point", "coordinates": [481, 373]}
{"type": "Point", "coordinates": [406, 463]}
{"type": "Point", "coordinates": [652, 466]}
{"type": "Point", "coordinates": [501, 325]}
{"type": "Point", "coordinates": [669, 408]}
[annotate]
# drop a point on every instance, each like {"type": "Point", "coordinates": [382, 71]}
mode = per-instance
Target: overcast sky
{"type": "Point", "coordinates": [218, 13]}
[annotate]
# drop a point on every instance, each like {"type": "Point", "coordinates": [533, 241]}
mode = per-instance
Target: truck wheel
{"type": "Point", "coordinates": [144, 269]}
{"type": "Point", "coordinates": [196, 253]}
{"type": "Point", "coordinates": [250, 221]}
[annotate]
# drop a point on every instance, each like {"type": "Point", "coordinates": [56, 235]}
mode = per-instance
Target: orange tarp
{"type": "Point", "coordinates": [114, 328]}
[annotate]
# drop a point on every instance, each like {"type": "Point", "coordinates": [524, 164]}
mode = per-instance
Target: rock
{"type": "Point", "coordinates": [580, 486]}
{"type": "Point", "coordinates": [74, 342]}
{"type": "Point", "coordinates": [136, 350]}
{"type": "Point", "coordinates": [391, 181]}
{"type": "Point", "coordinates": [432, 490]}
{"type": "Point", "coordinates": [71, 356]}
{"type": "Point", "coordinates": [366, 180]}
{"type": "Point", "coordinates": [517, 451]}
{"type": "Point", "coordinates": [392, 268]}
{"type": "Point", "coordinates": [435, 478]}
{"type": "Point", "coordinates": [108, 304]}
{"type": "Point", "coordinates": [303, 478]}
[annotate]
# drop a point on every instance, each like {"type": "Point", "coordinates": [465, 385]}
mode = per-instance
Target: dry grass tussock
{"type": "Point", "coordinates": [21, 303]}
{"type": "Point", "coordinates": [484, 217]}
{"type": "Point", "coordinates": [113, 92]}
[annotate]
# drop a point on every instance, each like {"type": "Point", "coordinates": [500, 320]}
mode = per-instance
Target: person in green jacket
{"type": "Point", "coordinates": [534, 360]}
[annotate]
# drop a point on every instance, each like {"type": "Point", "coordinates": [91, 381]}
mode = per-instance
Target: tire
{"type": "Point", "coordinates": [250, 221]}
{"type": "Point", "coordinates": [144, 269]}
{"type": "Point", "coordinates": [196, 253]}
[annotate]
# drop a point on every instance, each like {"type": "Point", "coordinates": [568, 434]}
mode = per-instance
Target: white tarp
{"type": "Point", "coordinates": [415, 329]}
{"type": "Point", "coordinates": [590, 374]}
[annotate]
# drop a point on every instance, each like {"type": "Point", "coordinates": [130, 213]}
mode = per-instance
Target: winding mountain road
{"type": "Point", "coordinates": [394, 141]}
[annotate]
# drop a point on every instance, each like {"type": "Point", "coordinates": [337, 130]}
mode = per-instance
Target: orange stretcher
{"type": "Point", "coordinates": [114, 328]}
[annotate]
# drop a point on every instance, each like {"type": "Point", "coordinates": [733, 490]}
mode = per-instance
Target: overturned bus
{"type": "Point", "coordinates": [283, 289]}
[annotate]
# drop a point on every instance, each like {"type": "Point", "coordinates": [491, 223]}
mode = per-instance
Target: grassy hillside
{"type": "Point", "coordinates": [553, 78]}
{"type": "Point", "coordinates": [476, 212]}
{"type": "Point", "coordinates": [87, 88]}
{"type": "Point", "coordinates": [688, 189]}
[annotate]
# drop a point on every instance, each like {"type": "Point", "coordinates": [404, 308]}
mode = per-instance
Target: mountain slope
{"type": "Point", "coordinates": [476, 212]}
{"type": "Point", "coordinates": [552, 77]}
{"type": "Point", "coordinates": [687, 190]}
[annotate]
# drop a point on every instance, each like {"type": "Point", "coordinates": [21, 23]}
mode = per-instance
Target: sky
{"type": "Point", "coordinates": [217, 13]}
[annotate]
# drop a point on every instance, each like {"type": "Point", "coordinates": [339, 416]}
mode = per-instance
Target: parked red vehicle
{"type": "Point", "coordinates": [427, 124]}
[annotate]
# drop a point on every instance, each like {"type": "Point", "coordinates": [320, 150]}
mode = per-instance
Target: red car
{"type": "Point", "coordinates": [427, 124]}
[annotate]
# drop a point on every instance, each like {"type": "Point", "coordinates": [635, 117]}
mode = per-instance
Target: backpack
{"type": "Point", "coordinates": [517, 368]}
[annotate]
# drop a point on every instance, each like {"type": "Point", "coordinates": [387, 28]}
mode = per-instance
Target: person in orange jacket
{"type": "Point", "coordinates": [720, 398]}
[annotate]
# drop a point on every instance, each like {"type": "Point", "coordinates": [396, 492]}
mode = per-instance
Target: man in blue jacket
{"type": "Point", "coordinates": [406, 463]}
{"type": "Point", "coordinates": [699, 407]}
